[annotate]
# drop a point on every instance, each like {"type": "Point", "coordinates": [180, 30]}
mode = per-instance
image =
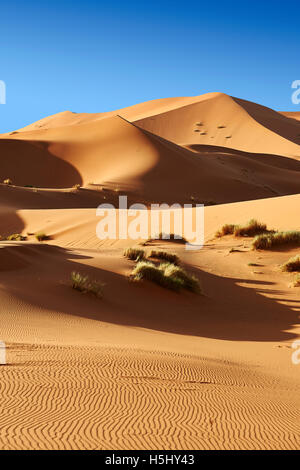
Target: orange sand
{"type": "Point", "coordinates": [146, 368]}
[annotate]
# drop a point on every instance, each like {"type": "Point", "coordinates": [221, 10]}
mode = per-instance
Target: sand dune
{"type": "Point", "coordinates": [144, 367]}
{"type": "Point", "coordinates": [120, 155]}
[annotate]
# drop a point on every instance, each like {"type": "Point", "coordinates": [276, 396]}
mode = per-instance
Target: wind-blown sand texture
{"type": "Point", "coordinates": [147, 368]}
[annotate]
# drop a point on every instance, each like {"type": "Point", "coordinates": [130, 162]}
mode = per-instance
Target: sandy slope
{"type": "Point", "coordinates": [148, 368]}
{"type": "Point", "coordinates": [145, 367]}
{"type": "Point", "coordinates": [120, 156]}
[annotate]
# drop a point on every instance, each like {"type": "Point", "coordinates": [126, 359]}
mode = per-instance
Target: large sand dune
{"type": "Point", "coordinates": [147, 368]}
{"type": "Point", "coordinates": [140, 159]}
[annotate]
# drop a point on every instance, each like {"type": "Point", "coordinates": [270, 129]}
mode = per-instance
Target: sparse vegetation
{"type": "Point", "coordinates": [267, 241]}
{"type": "Point", "coordinates": [170, 257]}
{"type": "Point", "coordinates": [135, 254]}
{"type": "Point", "coordinates": [250, 229]}
{"type": "Point", "coordinates": [17, 237]}
{"type": "Point", "coordinates": [85, 285]}
{"type": "Point", "coordinates": [227, 229]}
{"type": "Point", "coordinates": [190, 282]}
{"type": "Point", "coordinates": [41, 236]}
{"type": "Point", "coordinates": [253, 227]}
{"type": "Point", "coordinates": [296, 282]}
{"type": "Point", "coordinates": [7, 181]}
{"type": "Point", "coordinates": [293, 264]}
{"type": "Point", "coordinates": [166, 275]}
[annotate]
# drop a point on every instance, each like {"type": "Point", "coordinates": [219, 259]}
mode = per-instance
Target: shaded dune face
{"type": "Point", "coordinates": [32, 163]}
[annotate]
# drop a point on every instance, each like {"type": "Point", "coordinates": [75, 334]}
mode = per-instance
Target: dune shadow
{"type": "Point", "coordinates": [227, 310]}
{"type": "Point", "coordinates": [276, 161]}
{"type": "Point", "coordinates": [31, 163]}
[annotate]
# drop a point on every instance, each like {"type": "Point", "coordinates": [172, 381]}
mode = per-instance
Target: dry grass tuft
{"type": "Point", "coordinates": [250, 229]}
{"type": "Point", "coordinates": [135, 254]}
{"type": "Point", "coordinates": [41, 236]}
{"type": "Point", "coordinates": [267, 241]}
{"type": "Point", "coordinates": [170, 257]}
{"type": "Point", "coordinates": [17, 237]}
{"type": "Point", "coordinates": [296, 282]}
{"type": "Point", "coordinates": [166, 275]}
{"type": "Point", "coordinates": [293, 264]}
{"type": "Point", "coordinates": [85, 285]}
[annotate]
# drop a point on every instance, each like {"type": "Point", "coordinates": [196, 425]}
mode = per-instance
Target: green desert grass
{"type": "Point", "coordinates": [293, 264]}
{"type": "Point", "coordinates": [16, 237]}
{"type": "Point", "coordinates": [170, 257]}
{"type": "Point", "coordinates": [135, 254]}
{"type": "Point", "coordinates": [166, 275]}
{"type": "Point", "coordinates": [41, 236]}
{"type": "Point", "coordinates": [85, 285]}
{"type": "Point", "coordinates": [251, 228]}
{"type": "Point", "coordinates": [267, 241]}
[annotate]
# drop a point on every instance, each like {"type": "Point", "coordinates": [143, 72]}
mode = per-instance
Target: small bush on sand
{"type": "Point", "coordinates": [149, 272]}
{"type": "Point", "coordinates": [41, 236]}
{"type": "Point", "coordinates": [135, 254]}
{"type": "Point", "coordinates": [170, 257]}
{"type": "Point", "coordinates": [85, 285]}
{"type": "Point", "coordinates": [17, 237]}
{"type": "Point", "coordinates": [190, 282]}
{"type": "Point", "coordinates": [7, 181]}
{"type": "Point", "coordinates": [293, 264]}
{"type": "Point", "coordinates": [251, 228]}
{"type": "Point", "coordinates": [166, 275]}
{"type": "Point", "coordinates": [296, 282]}
{"type": "Point", "coordinates": [267, 241]}
{"type": "Point", "coordinates": [227, 229]}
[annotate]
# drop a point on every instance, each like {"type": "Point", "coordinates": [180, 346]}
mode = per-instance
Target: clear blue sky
{"type": "Point", "coordinates": [93, 56]}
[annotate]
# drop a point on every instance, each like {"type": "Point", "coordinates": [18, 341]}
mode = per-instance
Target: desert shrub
{"type": "Point", "coordinates": [267, 241]}
{"type": "Point", "coordinates": [190, 282]}
{"type": "Point", "coordinates": [293, 264]}
{"type": "Point", "coordinates": [172, 258]}
{"type": "Point", "coordinates": [227, 229]}
{"type": "Point", "coordinates": [166, 275]}
{"type": "Point", "coordinates": [251, 228]}
{"type": "Point", "coordinates": [16, 237]}
{"type": "Point", "coordinates": [41, 236]}
{"type": "Point", "coordinates": [7, 181]}
{"type": "Point", "coordinates": [85, 285]}
{"type": "Point", "coordinates": [135, 254]}
{"type": "Point", "coordinates": [296, 282]}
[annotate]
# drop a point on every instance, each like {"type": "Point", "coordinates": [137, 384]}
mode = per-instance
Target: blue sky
{"type": "Point", "coordinates": [93, 56]}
